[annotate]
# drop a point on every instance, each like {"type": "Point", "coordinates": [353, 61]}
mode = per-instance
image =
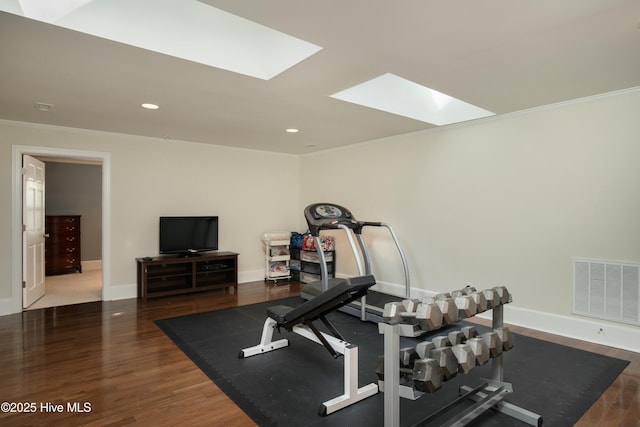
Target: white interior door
{"type": "Point", "coordinates": [33, 233]}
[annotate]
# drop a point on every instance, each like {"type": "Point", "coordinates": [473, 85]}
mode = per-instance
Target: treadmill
{"type": "Point", "coordinates": [329, 216]}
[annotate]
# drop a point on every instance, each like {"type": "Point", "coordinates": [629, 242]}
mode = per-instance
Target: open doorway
{"type": "Point", "coordinates": [17, 225]}
{"type": "Point", "coordinates": [73, 191]}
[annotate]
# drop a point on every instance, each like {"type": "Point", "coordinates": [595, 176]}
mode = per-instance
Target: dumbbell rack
{"type": "Point", "coordinates": [489, 395]}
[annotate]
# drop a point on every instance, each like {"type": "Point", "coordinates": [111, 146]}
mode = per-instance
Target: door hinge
{"type": "Point", "coordinates": [24, 284]}
{"type": "Point", "coordinates": [24, 228]}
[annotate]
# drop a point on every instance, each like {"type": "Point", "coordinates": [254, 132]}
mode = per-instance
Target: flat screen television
{"type": "Point", "coordinates": [188, 235]}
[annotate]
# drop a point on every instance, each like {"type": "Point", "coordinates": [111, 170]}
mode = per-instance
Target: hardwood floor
{"type": "Point", "coordinates": [111, 356]}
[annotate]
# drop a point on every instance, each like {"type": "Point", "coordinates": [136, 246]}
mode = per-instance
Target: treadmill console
{"type": "Point", "coordinates": [327, 215]}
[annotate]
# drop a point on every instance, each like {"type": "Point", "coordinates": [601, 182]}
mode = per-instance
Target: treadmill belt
{"type": "Point", "coordinates": [378, 299]}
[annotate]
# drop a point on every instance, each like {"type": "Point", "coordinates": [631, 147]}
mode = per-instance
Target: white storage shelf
{"type": "Point", "coordinates": [277, 258]}
{"type": "Point", "coordinates": [307, 265]}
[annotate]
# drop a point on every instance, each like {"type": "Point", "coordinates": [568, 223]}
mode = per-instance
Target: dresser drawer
{"type": "Point", "coordinates": [64, 229]}
{"type": "Point", "coordinates": [62, 247]}
{"type": "Point", "coordinates": [60, 250]}
{"type": "Point", "coordinates": [66, 240]}
{"type": "Point", "coordinates": [63, 219]}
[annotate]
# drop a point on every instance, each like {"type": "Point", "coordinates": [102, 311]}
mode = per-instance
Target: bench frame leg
{"type": "Point", "coordinates": [352, 393]}
{"type": "Point", "coordinates": [266, 341]}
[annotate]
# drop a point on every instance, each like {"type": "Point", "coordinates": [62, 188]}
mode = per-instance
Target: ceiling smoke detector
{"type": "Point", "coordinates": [42, 106]}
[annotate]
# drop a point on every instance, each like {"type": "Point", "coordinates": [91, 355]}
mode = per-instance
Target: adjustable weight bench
{"type": "Point", "coordinates": [300, 320]}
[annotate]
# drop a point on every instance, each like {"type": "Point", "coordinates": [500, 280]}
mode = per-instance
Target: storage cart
{"type": "Point", "coordinates": [277, 256]}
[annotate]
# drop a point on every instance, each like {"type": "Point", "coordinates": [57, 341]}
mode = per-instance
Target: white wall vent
{"type": "Point", "coordinates": [607, 290]}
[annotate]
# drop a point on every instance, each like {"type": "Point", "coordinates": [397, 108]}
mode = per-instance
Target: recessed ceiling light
{"type": "Point", "coordinates": [396, 95]}
{"type": "Point", "coordinates": [293, 130]}
{"type": "Point", "coordinates": [149, 106]}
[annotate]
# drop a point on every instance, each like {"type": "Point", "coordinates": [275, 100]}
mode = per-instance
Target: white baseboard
{"type": "Point", "coordinates": [119, 292]}
{"type": "Point", "coordinates": [626, 337]}
{"type": "Point", "coordinates": [95, 264]}
{"type": "Point", "coordinates": [393, 289]}
{"type": "Point", "coordinates": [250, 276]}
{"type": "Point", "coordinates": [6, 306]}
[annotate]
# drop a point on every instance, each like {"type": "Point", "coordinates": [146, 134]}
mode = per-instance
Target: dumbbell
{"type": "Point", "coordinates": [466, 306]}
{"type": "Point", "coordinates": [469, 332]}
{"type": "Point", "coordinates": [457, 293]}
{"type": "Point", "coordinates": [489, 344]}
{"type": "Point", "coordinates": [477, 297]}
{"type": "Point", "coordinates": [441, 341]}
{"type": "Point", "coordinates": [493, 341]}
{"type": "Point", "coordinates": [450, 352]}
{"type": "Point", "coordinates": [450, 345]}
{"type": "Point", "coordinates": [480, 350]}
{"type": "Point", "coordinates": [396, 312]}
{"type": "Point", "coordinates": [407, 357]}
{"type": "Point", "coordinates": [427, 375]}
{"type": "Point", "coordinates": [506, 337]}
{"type": "Point", "coordinates": [469, 335]}
{"type": "Point", "coordinates": [480, 300]}
{"type": "Point", "coordinates": [423, 348]}
{"type": "Point", "coordinates": [447, 306]}
{"type": "Point", "coordinates": [427, 314]}
{"type": "Point", "coordinates": [465, 357]}
{"type": "Point", "coordinates": [496, 296]}
{"type": "Point", "coordinates": [439, 349]}
{"type": "Point", "coordinates": [456, 337]}
{"type": "Point", "coordinates": [405, 372]}
{"type": "Point", "coordinates": [503, 294]}
{"type": "Point", "coordinates": [492, 297]}
{"type": "Point", "coordinates": [446, 360]}
{"type": "Point", "coordinates": [469, 290]}
{"type": "Point", "coordinates": [411, 304]}
{"type": "Point", "coordinates": [442, 295]}
{"type": "Point", "coordinates": [425, 372]}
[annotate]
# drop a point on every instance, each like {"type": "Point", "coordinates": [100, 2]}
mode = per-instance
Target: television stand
{"type": "Point", "coordinates": [174, 275]}
{"type": "Point", "coordinates": [188, 254]}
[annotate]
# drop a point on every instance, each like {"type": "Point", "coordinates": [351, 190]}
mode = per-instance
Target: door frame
{"type": "Point", "coordinates": [17, 151]}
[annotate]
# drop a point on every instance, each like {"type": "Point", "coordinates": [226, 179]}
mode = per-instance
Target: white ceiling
{"type": "Point", "coordinates": [500, 55]}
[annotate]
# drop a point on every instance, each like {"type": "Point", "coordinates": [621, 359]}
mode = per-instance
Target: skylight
{"type": "Point", "coordinates": [396, 95]}
{"type": "Point", "coordinates": [185, 29]}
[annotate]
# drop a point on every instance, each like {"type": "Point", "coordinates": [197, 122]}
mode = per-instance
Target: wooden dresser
{"type": "Point", "coordinates": [62, 247]}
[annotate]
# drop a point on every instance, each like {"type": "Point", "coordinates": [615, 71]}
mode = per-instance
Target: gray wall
{"type": "Point", "coordinates": [76, 189]}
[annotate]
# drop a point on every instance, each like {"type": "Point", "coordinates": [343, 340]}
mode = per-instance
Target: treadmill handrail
{"type": "Point", "coordinates": [403, 258]}
{"type": "Point", "coordinates": [324, 216]}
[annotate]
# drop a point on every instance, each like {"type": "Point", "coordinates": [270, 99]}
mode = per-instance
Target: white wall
{"type": "Point", "coordinates": [506, 201]}
{"type": "Point", "coordinates": [251, 191]}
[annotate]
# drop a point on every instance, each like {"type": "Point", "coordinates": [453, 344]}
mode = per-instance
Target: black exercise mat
{"type": "Point", "coordinates": [285, 387]}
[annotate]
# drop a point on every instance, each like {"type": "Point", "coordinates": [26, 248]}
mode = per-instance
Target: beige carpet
{"type": "Point", "coordinates": [73, 288]}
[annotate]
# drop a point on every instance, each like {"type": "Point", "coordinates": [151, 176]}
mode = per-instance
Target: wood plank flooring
{"type": "Point", "coordinates": [111, 356]}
